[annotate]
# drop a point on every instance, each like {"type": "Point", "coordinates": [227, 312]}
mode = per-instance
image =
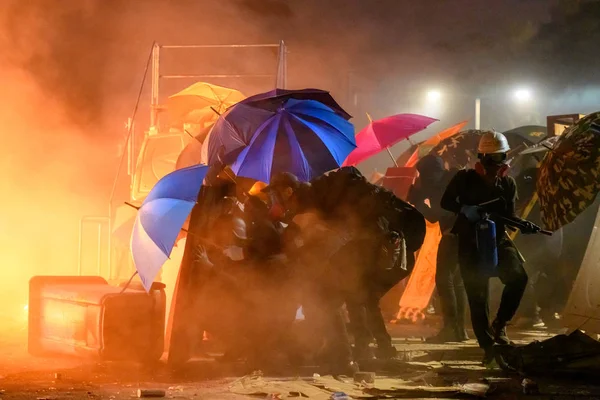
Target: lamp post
{"type": "Point", "coordinates": [521, 96]}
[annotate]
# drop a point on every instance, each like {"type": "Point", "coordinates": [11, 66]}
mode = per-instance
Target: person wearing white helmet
{"type": "Point", "coordinates": [488, 183]}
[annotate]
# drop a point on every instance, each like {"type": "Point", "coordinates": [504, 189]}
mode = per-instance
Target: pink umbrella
{"type": "Point", "coordinates": [382, 134]}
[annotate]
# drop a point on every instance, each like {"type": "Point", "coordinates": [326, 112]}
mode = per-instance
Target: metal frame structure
{"type": "Point", "coordinates": [280, 81]}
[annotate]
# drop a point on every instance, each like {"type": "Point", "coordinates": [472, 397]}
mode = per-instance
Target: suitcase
{"type": "Point", "coordinates": [85, 316]}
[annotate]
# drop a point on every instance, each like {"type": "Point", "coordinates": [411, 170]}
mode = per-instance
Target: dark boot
{"type": "Point", "coordinates": [499, 332]}
{"type": "Point", "coordinates": [386, 353]}
{"type": "Point", "coordinates": [445, 335]}
{"type": "Point", "coordinates": [363, 353]}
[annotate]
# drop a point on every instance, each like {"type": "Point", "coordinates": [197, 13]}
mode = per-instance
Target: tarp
{"type": "Point", "coordinates": [583, 307]}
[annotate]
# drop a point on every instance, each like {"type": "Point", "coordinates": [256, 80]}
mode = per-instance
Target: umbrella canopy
{"type": "Point", "coordinates": [195, 152]}
{"type": "Point", "coordinates": [160, 219]}
{"type": "Point", "coordinates": [532, 134]}
{"type": "Point", "coordinates": [381, 134]}
{"type": "Point", "coordinates": [275, 98]}
{"type": "Point", "coordinates": [194, 103]}
{"type": "Point", "coordinates": [569, 176]}
{"type": "Point", "coordinates": [410, 157]}
{"type": "Point", "coordinates": [460, 150]}
{"type": "Point", "coordinates": [541, 147]}
{"type": "Point", "coordinates": [304, 137]}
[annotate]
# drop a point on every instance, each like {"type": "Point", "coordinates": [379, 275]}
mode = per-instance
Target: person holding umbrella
{"type": "Point", "coordinates": [488, 189]}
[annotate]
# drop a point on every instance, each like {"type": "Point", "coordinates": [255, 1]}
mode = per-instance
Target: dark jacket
{"type": "Point", "coordinates": [469, 188]}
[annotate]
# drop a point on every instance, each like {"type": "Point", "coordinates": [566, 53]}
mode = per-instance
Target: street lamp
{"type": "Point", "coordinates": [434, 95]}
{"type": "Point", "coordinates": [523, 95]}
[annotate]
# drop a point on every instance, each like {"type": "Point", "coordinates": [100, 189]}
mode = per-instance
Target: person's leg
{"type": "Point", "coordinates": [477, 288]}
{"type": "Point", "coordinates": [446, 265]}
{"type": "Point", "coordinates": [357, 314]}
{"type": "Point", "coordinates": [513, 276]}
{"type": "Point", "coordinates": [461, 304]}
{"type": "Point", "coordinates": [376, 323]}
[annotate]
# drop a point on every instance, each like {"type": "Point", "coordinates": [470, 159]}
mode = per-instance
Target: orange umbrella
{"type": "Point", "coordinates": [425, 147]}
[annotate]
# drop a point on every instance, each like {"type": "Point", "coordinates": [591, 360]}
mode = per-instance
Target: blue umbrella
{"type": "Point", "coordinates": [304, 137]}
{"type": "Point", "coordinates": [273, 99]}
{"type": "Point", "coordinates": [161, 217]}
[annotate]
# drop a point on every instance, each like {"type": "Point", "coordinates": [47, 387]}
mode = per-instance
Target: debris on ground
{"type": "Point", "coordinates": [576, 354]}
{"type": "Point", "coordinates": [141, 393]}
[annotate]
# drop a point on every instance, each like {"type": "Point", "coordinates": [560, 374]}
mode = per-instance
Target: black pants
{"type": "Point", "coordinates": [511, 273]}
{"type": "Point", "coordinates": [449, 283]}
{"type": "Point", "coordinates": [364, 312]}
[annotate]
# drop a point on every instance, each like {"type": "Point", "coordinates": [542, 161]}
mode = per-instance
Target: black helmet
{"type": "Point", "coordinates": [281, 181]}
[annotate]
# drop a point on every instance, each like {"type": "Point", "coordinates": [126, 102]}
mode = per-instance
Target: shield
{"type": "Point", "coordinates": [569, 176]}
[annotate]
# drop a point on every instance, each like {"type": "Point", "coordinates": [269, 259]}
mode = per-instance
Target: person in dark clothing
{"type": "Point", "coordinates": [488, 186]}
{"type": "Point", "coordinates": [355, 274]}
{"type": "Point", "coordinates": [433, 179]}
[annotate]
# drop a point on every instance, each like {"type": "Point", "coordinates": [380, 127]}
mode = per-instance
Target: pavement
{"type": "Point", "coordinates": [422, 370]}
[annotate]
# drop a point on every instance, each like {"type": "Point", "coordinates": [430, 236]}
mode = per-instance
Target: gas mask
{"type": "Point", "coordinates": [492, 162]}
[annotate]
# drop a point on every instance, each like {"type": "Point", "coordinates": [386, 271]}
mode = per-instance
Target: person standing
{"type": "Point", "coordinates": [465, 196]}
{"type": "Point", "coordinates": [430, 185]}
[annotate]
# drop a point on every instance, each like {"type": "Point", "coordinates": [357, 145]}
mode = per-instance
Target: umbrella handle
{"type": "Point", "coordinates": [131, 205]}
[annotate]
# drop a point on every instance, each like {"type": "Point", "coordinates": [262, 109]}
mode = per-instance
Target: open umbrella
{"type": "Point", "coordinates": [569, 176]}
{"type": "Point", "coordinates": [531, 134]}
{"type": "Point", "coordinates": [410, 157]}
{"type": "Point", "coordinates": [160, 219]}
{"type": "Point", "coordinates": [384, 133]}
{"type": "Point", "coordinates": [195, 152]}
{"type": "Point", "coordinates": [460, 150]}
{"type": "Point", "coordinates": [194, 103]}
{"type": "Point", "coordinates": [304, 137]}
{"type": "Point", "coordinates": [541, 147]}
{"type": "Point", "coordinates": [273, 99]}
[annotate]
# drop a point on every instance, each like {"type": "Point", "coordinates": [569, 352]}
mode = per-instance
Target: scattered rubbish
{"type": "Point", "coordinates": [491, 379]}
{"type": "Point", "coordinates": [367, 377]}
{"type": "Point", "coordinates": [254, 385]}
{"type": "Point", "coordinates": [475, 389]}
{"type": "Point", "coordinates": [274, 396]}
{"type": "Point", "coordinates": [339, 396]}
{"type": "Point", "coordinates": [576, 354]}
{"type": "Point", "coordinates": [316, 376]}
{"type": "Point", "coordinates": [297, 394]}
{"type": "Point", "coordinates": [530, 387]}
{"type": "Point", "coordinates": [150, 393]}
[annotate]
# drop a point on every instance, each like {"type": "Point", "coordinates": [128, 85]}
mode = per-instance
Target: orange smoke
{"type": "Point", "coordinates": [52, 174]}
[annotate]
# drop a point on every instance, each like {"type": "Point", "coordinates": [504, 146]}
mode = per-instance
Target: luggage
{"type": "Point", "coordinates": [85, 316]}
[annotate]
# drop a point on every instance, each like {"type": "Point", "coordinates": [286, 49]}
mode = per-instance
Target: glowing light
{"type": "Point", "coordinates": [26, 307]}
{"type": "Point", "coordinates": [523, 95]}
{"type": "Point", "coordinates": [434, 95]}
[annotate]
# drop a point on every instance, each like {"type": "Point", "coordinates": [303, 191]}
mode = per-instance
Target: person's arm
{"type": "Point", "coordinates": [450, 199]}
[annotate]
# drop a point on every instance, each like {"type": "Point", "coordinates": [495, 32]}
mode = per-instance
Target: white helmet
{"type": "Point", "coordinates": [493, 142]}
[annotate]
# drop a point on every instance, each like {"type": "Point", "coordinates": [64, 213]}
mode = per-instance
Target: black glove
{"type": "Point", "coordinates": [528, 227]}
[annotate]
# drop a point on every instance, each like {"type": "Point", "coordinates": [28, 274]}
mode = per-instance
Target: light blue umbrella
{"type": "Point", "coordinates": [161, 217]}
